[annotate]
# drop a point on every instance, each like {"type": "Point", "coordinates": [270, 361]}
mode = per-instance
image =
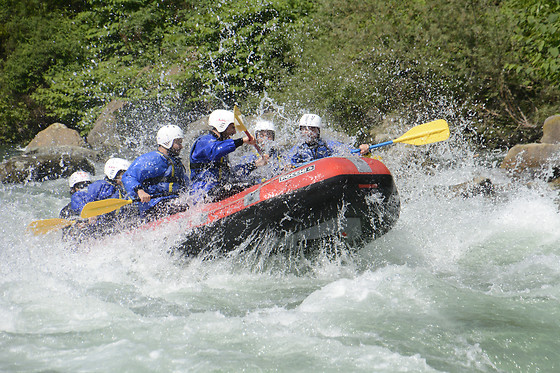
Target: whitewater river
{"type": "Point", "coordinates": [459, 285]}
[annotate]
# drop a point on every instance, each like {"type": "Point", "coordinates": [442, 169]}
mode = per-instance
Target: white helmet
{"type": "Point", "coordinates": [310, 120]}
{"type": "Point", "coordinates": [167, 134]}
{"type": "Point", "coordinates": [79, 177]}
{"type": "Point", "coordinates": [264, 125]}
{"type": "Point", "coordinates": [220, 119]}
{"type": "Point", "coordinates": [114, 165]}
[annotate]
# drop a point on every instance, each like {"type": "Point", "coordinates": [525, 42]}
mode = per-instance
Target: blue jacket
{"type": "Point", "coordinates": [97, 191]}
{"type": "Point", "coordinates": [303, 153]}
{"type": "Point", "coordinates": [155, 173]}
{"type": "Point", "coordinates": [74, 208]}
{"type": "Point", "coordinates": [209, 163]}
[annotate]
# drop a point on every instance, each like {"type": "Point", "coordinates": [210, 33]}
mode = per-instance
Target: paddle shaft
{"type": "Point", "coordinates": [255, 145]}
{"type": "Point", "coordinates": [371, 147]}
{"type": "Point", "coordinates": [241, 126]}
{"type": "Point", "coordinates": [379, 145]}
{"type": "Point", "coordinates": [427, 133]}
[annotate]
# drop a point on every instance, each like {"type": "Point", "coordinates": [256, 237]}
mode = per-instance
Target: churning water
{"type": "Point", "coordinates": [463, 283]}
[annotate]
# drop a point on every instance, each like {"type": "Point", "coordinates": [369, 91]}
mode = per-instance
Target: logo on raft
{"type": "Point", "coordinates": [297, 173]}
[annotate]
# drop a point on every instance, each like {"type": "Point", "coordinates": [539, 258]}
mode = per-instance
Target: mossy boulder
{"type": "Point", "coordinates": [55, 152]}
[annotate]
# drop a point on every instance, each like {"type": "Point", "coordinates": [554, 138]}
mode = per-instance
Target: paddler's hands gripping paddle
{"type": "Point", "coordinates": [423, 134]}
{"type": "Point", "coordinates": [45, 226]}
{"type": "Point", "coordinates": [106, 206]}
{"type": "Point", "coordinates": [241, 127]}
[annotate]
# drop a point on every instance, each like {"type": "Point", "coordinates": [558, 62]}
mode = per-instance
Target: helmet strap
{"type": "Point", "coordinates": [172, 152]}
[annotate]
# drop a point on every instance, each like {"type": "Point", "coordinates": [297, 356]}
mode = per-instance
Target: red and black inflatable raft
{"type": "Point", "coordinates": [352, 198]}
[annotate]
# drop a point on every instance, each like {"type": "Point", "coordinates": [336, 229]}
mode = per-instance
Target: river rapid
{"type": "Point", "coordinates": [460, 284]}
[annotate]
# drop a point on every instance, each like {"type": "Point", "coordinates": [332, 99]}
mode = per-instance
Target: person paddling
{"type": "Point", "coordinates": [311, 146]}
{"type": "Point", "coordinates": [157, 177]}
{"type": "Point", "coordinates": [109, 187]}
{"type": "Point", "coordinates": [78, 182]}
{"type": "Point", "coordinates": [265, 135]}
{"type": "Point", "coordinates": [211, 174]}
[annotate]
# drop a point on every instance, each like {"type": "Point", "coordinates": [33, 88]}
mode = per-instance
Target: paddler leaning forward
{"type": "Point", "coordinates": [109, 187]}
{"type": "Point", "coordinates": [156, 178]}
{"type": "Point", "coordinates": [84, 191]}
{"type": "Point", "coordinates": [212, 176]}
{"type": "Point", "coordinates": [78, 183]}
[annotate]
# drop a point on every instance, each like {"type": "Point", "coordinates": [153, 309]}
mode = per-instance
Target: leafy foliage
{"type": "Point", "coordinates": [245, 47]}
{"type": "Point", "coordinates": [354, 62]}
{"type": "Point", "coordinates": [537, 32]}
{"type": "Point", "coordinates": [414, 59]}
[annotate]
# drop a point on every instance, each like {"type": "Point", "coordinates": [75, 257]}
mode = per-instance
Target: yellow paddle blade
{"type": "Point", "coordinates": [104, 206]}
{"type": "Point", "coordinates": [426, 133]}
{"type": "Point", "coordinates": [45, 226]}
{"type": "Point", "coordinates": [238, 121]}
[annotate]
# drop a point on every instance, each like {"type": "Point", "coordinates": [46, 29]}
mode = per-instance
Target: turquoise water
{"type": "Point", "coordinates": [459, 285]}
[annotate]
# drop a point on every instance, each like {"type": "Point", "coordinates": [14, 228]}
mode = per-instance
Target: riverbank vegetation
{"type": "Point", "coordinates": [494, 62]}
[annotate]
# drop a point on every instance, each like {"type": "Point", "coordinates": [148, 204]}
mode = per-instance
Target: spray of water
{"type": "Point", "coordinates": [459, 263]}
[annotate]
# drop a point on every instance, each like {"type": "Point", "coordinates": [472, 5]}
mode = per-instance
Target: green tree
{"type": "Point", "coordinates": [152, 50]}
{"type": "Point", "coordinates": [364, 61]}
{"type": "Point", "coordinates": [352, 61]}
{"type": "Point", "coordinates": [537, 34]}
{"type": "Point", "coordinates": [34, 37]}
{"type": "Point", "coordinates": [245, 47]}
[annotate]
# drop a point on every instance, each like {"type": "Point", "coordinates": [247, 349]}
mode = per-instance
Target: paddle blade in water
{"type": "Point", "coordinates": [44, 226]}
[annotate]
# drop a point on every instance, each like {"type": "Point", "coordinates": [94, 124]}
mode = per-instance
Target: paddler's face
{"type": "Point", "coordinates": [79, 186]}
{"type": "Point", "coordinates": [176, 147]}
{"type": "Point", "coordinates": [230, 131]}
{"type": "Point", "coordinates": [264, 136]}
{"type": "Point", "coordinates": [310, 134]}
{"type": "Point", "coordinates": [118, 178]}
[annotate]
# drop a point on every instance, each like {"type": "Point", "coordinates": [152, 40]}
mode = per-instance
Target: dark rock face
{"type": "Point", "coordinates": [104, 135]}
{"type": "Point", "coordinates": [55, 152]}
{"type": "Point", "coordinates": [47, 164]}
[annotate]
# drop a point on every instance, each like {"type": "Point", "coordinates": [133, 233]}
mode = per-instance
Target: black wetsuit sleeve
{"type": "Point", "coordinates": [238, 142]}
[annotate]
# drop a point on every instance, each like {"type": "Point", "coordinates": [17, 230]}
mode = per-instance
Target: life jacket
{"type": "Point", "coordinates": [172, 163]}
{"type": "Point", "coordinates": [276, 163]}
{"type": "Point", "coordinates": [210, 167]}
{"type": "Point", "coordinates": [219, 168]}
{"type": "Point", "coordinates": [305, 152]}
{"type": "Point", "coordinates": [156, 174]}
{"type": "Point", "coordinates": [210, 172]}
